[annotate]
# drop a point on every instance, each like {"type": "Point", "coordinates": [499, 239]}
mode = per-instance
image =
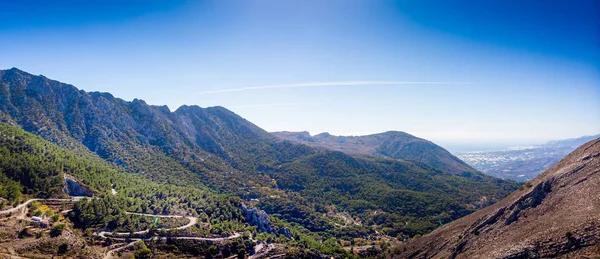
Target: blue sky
{"type": "Point", "coordinates": [455, 72]}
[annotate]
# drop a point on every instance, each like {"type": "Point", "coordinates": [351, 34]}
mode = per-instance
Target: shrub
{"type": "Point", "coordinates": [143, 253]}
{"type": "Point", "coordinates": [141, 250]}
{"type": "Point", "coordinates": [57, 230]}
{"type": "Point", "coordinates": [63, 248]}
{"type": "Point", "coordinates": [24, 233]}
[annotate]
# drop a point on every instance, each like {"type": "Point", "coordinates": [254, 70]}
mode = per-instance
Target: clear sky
{"type": "Point", "coordinates": [455, 72]}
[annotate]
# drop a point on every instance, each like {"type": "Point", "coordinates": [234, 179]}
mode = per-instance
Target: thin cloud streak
{"type": "Point", "coordinates": [325, 84]}
{"type": "Point", "coordinates": [268, 105]}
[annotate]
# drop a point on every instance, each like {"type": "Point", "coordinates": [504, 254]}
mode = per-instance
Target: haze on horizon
{"type": "Point", "coordinates": [466, 73]}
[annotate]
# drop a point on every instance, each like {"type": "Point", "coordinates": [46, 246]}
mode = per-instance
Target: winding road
{"type": "Point", "coordinates": [111, 252]}
{"type": "Point", "coordinates": [192, 221]}
{"type": "Point", "coordinates": [103, 234]}
{"type": "Point", "coordinates": [22, 205]}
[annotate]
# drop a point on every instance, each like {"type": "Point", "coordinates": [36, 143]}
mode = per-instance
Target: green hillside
{"type": "Point", "coordinates": [202, 151]}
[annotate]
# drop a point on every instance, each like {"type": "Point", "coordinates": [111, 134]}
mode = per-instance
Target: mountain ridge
{"type": "Point", "coordinates": [390, 144]}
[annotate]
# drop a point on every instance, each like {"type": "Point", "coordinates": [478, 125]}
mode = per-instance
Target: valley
{"type": "Point", "coordinates": [204, 181]}
{"type": "Point", "coordinates": [205, 163]}
{"type": "Point", "coordinates": [270, 129]}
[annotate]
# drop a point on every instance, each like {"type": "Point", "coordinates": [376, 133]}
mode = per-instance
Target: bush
{"type": "Point", "coordinates": [212, 250]}
{"type": "Point", "coordinates": [63, 248]}
{"type": "Point", "coordinates": [24, 233]}
{"type": "Point", "coordinates": [57, 230]}
{"type": "Point", "coordinates": [143, 253]}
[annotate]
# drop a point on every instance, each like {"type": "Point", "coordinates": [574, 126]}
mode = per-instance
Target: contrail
{"type": "Point", "coordinates": [323, 84]}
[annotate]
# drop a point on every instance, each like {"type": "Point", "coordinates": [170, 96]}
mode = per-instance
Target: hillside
{"type": "Point", "coordinates": [391, 144]}
{"type": "Point", "coordinates": [522, 163]}
{"type": "Point", "coordinates": [33, 169]}
{"type": "Point", "coordinates": [556, 214]}
{"type": "Point", "coordinates": [215, 150]}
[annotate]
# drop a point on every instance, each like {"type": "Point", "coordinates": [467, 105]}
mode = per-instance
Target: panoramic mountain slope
{"type": "Point", "coordinates": [558, 213]}
{"type": "Point", "coordinates": [215, 148]}
{"type": "Point", "coordinates": [33, 169]}
{"type": "Point", "coordinates": [522, 163]}
{"type": "Point", "coordinates": [391, 144]}
{"type": "Point", "coordinates": [38, 167]}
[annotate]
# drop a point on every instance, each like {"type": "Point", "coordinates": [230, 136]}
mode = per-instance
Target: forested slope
{"type": "Point", "coordinates": [391, 144]}
{"type": "Point", "coordinates": [215, 149]}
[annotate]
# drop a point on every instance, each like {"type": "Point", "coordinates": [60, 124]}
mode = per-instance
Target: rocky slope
{"type": "Point", "coordinates": [391, 144]}
{"type": "Point", "coordinates": [556, 214]}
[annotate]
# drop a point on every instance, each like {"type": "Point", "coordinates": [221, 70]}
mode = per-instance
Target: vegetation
{"type": "Point", "coordinates": [221, 212]}
{"type": "Point", "coordinates": [142, 251]}
{"type": "Point", "coordinates": [57, 230]}
{"type": "Point", "coordinates": [206, 163]}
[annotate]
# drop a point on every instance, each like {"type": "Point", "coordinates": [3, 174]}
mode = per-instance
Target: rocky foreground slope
{"type": "Point", "coordinates": [555, 215]}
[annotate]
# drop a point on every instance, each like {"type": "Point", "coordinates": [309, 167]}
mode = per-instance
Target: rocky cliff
{"type": "Point", "coordinates": [73, 188]}
{"type": "Point", "coordinates": [260, 219]}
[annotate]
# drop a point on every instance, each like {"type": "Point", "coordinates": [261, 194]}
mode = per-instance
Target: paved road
{"type": "Point", "coordinates": [260, 250]}
{"type": "Point", "coordinates": [192, 221]}
{"type": "Point", "coordinates": [110, 253]}
{"type": "Point", "coordinates": [22, 205]}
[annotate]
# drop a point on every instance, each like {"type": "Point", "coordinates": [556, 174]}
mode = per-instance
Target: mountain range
{"type": "Point", "coordinates": [522, 163]}
{"type": "Point", "coordinates": [396, 190]}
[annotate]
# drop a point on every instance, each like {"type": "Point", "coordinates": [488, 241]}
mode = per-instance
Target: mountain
{"type": "Point", "coordinates": [556, 214]}
{"type": "Point", "coordinates": [213, 150]}
{"type": "Point", "coordinates": [391, 144]}
{"type": "Point", "coordinates": [522, 163]}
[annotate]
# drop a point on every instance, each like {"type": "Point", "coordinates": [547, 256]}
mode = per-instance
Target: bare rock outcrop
{"type": "Point", "coordinates": [73, 188]}
{"type": "Point", "coordinates": [261, 219]}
